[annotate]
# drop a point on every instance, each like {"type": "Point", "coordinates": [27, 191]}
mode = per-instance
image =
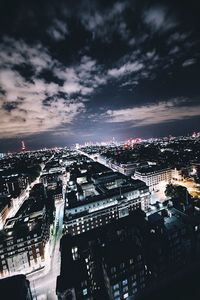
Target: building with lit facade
{"type": "Point", "coordinates": [152, 176]}
{"type": "Point", "coordinates": [177, 174]}
{"type": "Point", "coordinates": [105, 263]}
{"type": "Point", "coordinates": [24, 237]}
{"type": "Point", "coordinates": [6, 204]}
{"type": "Point", "coordinates": [24, 244]}
{"type": "Point", "coordinates": [106, 197]}
{"type": "Point", "coordinates": [129, 257]}
{"type": "Point", "coordinates": [127, 169]}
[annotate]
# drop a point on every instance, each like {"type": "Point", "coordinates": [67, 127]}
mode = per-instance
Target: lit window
{"type": "Point", "coordinates": [131, 261]}
{"type": "Point", "coordinates": [116, 286]}
{"type": "Point", "coordinates": [84, 292]}
{"type": "Point", "coordinates": [116, 293]}
{"type": "Point", "coordinates": [124, 282]}
{"type": "Point", "coordinates": [125, 295]}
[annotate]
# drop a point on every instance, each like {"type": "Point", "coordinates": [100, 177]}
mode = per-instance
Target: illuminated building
{"type": "Point", "coordinates": [5, 207]}
{"type": "Point", "coordinates": [177, 174]}
{"type": "Point", "coordinates": [23, 244]}
{"type": "Point", "coordinates": [152, 176]}
{"type": "Point", "coordinates": [110, 196]}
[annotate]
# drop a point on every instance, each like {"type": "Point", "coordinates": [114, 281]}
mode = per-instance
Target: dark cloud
{"type": "Point", "coordinates": [89, 69]}
{"type": "Point", "coordinates": [159, 18]}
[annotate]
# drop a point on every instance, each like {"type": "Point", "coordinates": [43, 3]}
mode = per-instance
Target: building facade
{"type": "Point", "coordinates": [24, 244]}
{"type": "Point", "coordinates": [153, 176]}
{"type": "Point", "coordinates": [99, 210]}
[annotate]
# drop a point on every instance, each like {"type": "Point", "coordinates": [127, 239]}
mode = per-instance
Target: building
{"type": "Point", "coordinates": [177, 174]}
{"type": "Point", "coordinates": [152, 176]}
{"type": "Point", "coordinates": [124, 270]}
{"type": "Point", "coordinates": [109, 179]}
{"type": "Point", "coordinates": [24, 244]}
{"type": "Point", "coordinates": [104, 263]}
{"type": "Point", "coordinates": [171, 243]}
{"type": "Point", "coordinates": [50, 180]}
{"type": "Point", "coordinates": [5, 207]}
{"type": "Point", "coordinates": [127, 169]}
{"type": "Point", "coordinates": [73, 284]}
{"type": "Point", "coordinates": [15, 288]}
{"type": "Point", "coordinates": [109, 196]}
{"type": "Point", "coordinates": [130, 256]}
{"type": "Point", "coordinates": [13, 184]}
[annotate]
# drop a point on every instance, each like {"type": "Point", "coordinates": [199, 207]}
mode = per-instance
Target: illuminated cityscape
{"type": "Point", "coordinates": [99, 150]}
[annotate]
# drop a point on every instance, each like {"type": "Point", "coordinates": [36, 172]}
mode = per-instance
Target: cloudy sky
{"type": "Point", "coordinates": [76, 71]}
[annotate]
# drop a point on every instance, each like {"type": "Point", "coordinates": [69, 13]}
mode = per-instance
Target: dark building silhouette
{"type": "Point", "coordinates": [15, 288]}
{"type": "Point", "coordinates": [131, 257]}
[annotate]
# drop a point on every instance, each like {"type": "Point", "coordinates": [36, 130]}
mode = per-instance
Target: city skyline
{"type": "Point", "coordinates": [96, 70]}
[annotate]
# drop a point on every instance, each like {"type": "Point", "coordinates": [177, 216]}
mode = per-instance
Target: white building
{"type": "Point", "coordinates": [153, 176]}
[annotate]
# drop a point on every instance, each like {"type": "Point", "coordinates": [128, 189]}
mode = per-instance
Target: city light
{"type": "Point", "coordinates": [99, 150]}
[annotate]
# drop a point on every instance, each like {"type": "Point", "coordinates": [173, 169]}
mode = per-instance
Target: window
{"type": "Point", "coordinates": [125, 295]}
{"type": "Point", "coordinates": [124, 282]}
{"type": "Point", "coordinates": [116, 286]}
{"type": "Point", "coordinates": [9, 243]}
{"type": "Point", "coordinates": [116, 293]}
{"type": "Point", "coordinates": [84, 292]}
{"type": "Point", "coordinates": [131, 261]}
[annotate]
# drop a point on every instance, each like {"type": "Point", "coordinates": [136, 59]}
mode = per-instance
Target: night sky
{"type": "Point", "coordinates": [76, 71]}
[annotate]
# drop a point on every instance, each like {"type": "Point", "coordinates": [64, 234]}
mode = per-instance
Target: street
{"type": "Point", "coordinates": [43, 282]}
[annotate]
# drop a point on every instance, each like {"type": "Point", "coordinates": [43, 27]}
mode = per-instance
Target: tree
{"type": "Point", "coordinates": [177, 192]}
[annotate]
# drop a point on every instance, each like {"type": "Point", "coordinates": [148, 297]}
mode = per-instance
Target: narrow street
{"type": "Point", "coordinates": [43, 283]}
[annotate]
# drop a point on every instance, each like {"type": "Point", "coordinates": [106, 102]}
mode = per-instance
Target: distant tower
{"type": "Point", "coordinates": [23, 146]}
